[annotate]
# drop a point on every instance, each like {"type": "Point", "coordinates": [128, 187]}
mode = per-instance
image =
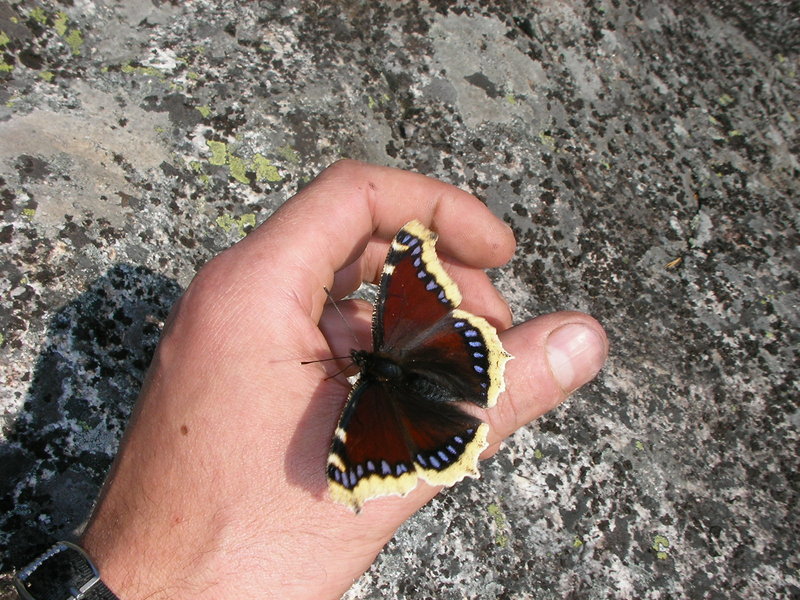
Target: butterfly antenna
{"type": "Point", "coordinates": [308, 362]}
{"type": "Point", "coordinates": [319, 360]}
{"type": "Point", "coordinates": [340, 371]}
{"type": "Point", "coordinates": [336, 306]}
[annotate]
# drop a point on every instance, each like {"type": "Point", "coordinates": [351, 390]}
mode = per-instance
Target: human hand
{"type": "Point", "coordinates": [219, 488]}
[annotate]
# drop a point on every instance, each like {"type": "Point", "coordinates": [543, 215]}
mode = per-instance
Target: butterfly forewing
{"type": "Point", "coordinates": [415, 290]}
{"type": "Point", "coordinates": [370, 455]}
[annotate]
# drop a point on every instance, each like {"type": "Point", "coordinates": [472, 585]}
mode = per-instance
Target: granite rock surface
{"type": "Point", "coordinates": [645, 153]}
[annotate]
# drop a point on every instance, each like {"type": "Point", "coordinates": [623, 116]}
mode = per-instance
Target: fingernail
{"type": "Point", "coordinates": [576, 353]}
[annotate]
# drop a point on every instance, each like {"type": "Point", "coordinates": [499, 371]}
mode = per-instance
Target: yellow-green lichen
{"type": "Point", "coordinates": [289, 154]}
{"type": "Point", "coordinates": [4, 39]}
{"type": "Point", "coordinates": [511, 98]}
{"type": "Point", "coordinates": [660, 545]}
{"type": "Point", "coordinates": [5, 67]}
{"type": "Point", "coordinates": [193, 75]}
{"type": "Point", "coordinates": [28, 212]}
{"type": "Point", "coordinates": [577, 542]}
{"type": "Point", "coordinates": [246, 220]}
{"type": "Point", "coordinates": [60, 23]}
{"type": "Point", "coordinates": [500, 523]}
{"type": "Point", "coordinates": [219, 152]}
{"type": "Point", "coordinates": [547, 140]}
{"type": "Point", "coordinates": [538, 454]}
{"type": "Point", "coordinates": [47, 75]}
{"type": "Point", "coordinates": [497, 514]}
{"type": "Point", "coordinates": [638, 445]}
{"type": "Point", "coordinates": [238, 169]}
{"type": "Point", "coordinates": [226, 222]}
{"type": "Point", "coordinates": [197, 167]}
{"type": "Point", "coordinates": [265, 170]}
{"type": "Point", "coordinates": [138, 70]}
{"type": "Point", "coordinates": [73, 37]}
{"type": "Point", "coordinates": [38, 15]}
{"type": "Point", "coordinates": [725, 100]}
{"type": "Point", "coordinates": [204, 110]}
{"type": "Point", "coordinates": [375, 102]}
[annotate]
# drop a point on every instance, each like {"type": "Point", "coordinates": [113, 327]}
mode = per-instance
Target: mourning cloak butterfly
{"type": "Point", "coordinates": [401, 421]}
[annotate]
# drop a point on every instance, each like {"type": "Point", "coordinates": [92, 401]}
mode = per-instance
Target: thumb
{"type": "Point", "coordinates": [554, 355]}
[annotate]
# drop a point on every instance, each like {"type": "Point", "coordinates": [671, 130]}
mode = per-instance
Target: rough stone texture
{"type": "Point", "coordinates": [646, 154]}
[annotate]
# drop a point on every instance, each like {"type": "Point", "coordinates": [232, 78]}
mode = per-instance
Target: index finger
{"type": "Point", "coordinates": [327, 225]}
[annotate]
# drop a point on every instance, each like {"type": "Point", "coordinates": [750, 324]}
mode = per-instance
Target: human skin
{"type": "Point", "coordinates": [219, 488]}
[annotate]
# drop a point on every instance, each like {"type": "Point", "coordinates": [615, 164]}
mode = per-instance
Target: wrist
{"type": "Point", "coordinates": [146, 554]}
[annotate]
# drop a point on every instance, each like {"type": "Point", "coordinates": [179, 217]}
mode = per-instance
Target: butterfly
{"type": "Point", "coordinates": [402, 421]}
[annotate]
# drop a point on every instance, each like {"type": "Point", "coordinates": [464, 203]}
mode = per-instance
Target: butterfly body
{"type": "Point", "coordinates": [403, 420]}
{"type": "Point", "coordinates": [377, 366]}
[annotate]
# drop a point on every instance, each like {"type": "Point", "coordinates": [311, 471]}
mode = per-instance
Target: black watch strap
{"type": "Point", "coordinates": [64, 572]}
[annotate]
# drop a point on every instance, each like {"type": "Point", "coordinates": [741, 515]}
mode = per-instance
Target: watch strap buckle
{"type": "Point", "coordinates": [80, 589]}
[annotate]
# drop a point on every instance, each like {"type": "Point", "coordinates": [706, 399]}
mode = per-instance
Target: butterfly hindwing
{"type": "Point", "coordinates": [445, 442]}
{"type": "Point", "coordinates": [464, 355]}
